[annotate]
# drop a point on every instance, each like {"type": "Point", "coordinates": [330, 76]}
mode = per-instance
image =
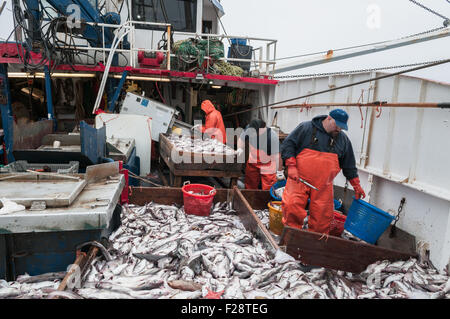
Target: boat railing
{"type": "Point", "coordinates": [263, 56]}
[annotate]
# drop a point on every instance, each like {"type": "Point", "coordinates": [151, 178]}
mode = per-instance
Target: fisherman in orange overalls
{"type": "Point", "coordinates": [316, 151]}
{"type": "Point", "coordinates": [214, 126]}
{"type": "Point", "coordinates": [264, 156]}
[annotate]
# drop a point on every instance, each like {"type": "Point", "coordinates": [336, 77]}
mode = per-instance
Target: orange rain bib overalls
{"type": "Point", "coordinates": [319, 169]}
{"type": "Point", "coordinates": [260, 166]}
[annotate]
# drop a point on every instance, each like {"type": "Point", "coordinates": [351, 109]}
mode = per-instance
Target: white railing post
{"type": "Point", "coordinates": [209, 54]}
{"type": "Point", "coordinates": [103, 43]}
{"type": "Point", "coordinates": [132, 46]}
{"type": "Point", "coordinates": [274, 55]}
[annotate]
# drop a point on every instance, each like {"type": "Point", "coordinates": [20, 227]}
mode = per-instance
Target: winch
{"type": "Point", "coordinates": [150, 59]}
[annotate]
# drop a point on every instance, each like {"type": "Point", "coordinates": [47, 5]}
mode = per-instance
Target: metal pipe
{"type": "Point", "coordinates": [168, 46]}
{"type": "Point", "coordinates": [223, 36]}
{"type": "Point", "coordinates": [331, 56]}
{"type": "Point", "coordinates": [118, 90]}
{"type": "Point", "coordinates": [373, 104]}
{"type": "Point", "coordinates": [40, 75]}
{"type": "Point", "coordinates": [128, 22]}
{"type": "Point", "coordinates": [245, 60]}
{"type": "Point", "coordinates": [85, 48]}
{"type": "Point", "coordinates": [342, 87]}
{"type": "Point", "coordinates": [141, 78]}
{"type": "Point", "coordinates": [48, 95]}
{"type": "Point", "coordinates": [151, 23]}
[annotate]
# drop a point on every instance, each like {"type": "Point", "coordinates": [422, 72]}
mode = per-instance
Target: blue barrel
{"type": "Point", "coordinates": [366, 221]}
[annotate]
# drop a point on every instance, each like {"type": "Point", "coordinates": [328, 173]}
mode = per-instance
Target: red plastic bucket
{"type": "Point", "coordinates": [337, 225]}
{"type": "Point", "coordinates": [195, 204]}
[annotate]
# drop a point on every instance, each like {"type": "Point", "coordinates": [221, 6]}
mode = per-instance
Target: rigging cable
{"type": "Point", "coordinates": [446, 20]}
{"type": "Point", "coordinates": [341, 87]}
{"type": "Point", "coordinates": [353, 71]}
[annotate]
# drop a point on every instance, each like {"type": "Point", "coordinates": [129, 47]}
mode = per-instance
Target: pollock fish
{"type": "Point", "coordinates": [208, 146]}
{"type": "Point", "coordinates": [160, 252]}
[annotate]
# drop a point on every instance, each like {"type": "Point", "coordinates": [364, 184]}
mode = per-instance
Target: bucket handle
{"type": "Point", "coordinates": [186, 183]}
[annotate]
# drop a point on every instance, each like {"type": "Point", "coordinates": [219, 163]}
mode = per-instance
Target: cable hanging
{"type": "Point", "coordinates": [353, 71]}
{"type": "Point", "coordinates": [446, 20]}
{"type": "Point", "coordinates": [340, 87]}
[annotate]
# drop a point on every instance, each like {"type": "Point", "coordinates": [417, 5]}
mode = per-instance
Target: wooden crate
{"type": "Point", "coordinates": [197, 160]}
{"type": "Point", "coordinates": [309, 247]}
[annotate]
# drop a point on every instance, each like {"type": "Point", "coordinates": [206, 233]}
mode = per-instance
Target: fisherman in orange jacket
{"type": "Point", "coordinates": [315, 152]}
{"type": "Point", "coordinates": [264, 161]}
{"type": "Point", "coordinates": [214, 126]}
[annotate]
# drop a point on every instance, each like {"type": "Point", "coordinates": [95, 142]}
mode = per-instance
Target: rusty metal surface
{"type": "Point", "coordinates": [62, 148]}
{"type": "Point", "coordinates": [402, 241]}
{"type": "Point", "coordinates": [98, 172]}
{"type": "Point", "coordinates": [29, 136]}
{"type": "Point", "coordinates": [64, 139]}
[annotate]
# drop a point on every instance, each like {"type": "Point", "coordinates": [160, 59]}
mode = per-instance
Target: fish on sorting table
{"type": "Point", "coordinates": [208, 145]}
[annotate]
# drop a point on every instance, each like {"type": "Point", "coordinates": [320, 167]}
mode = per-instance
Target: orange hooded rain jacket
{"type": "Point", "coordinates": [214, 126]}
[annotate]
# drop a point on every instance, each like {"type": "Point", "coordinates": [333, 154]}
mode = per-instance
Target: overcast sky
{"type": "Point", "coordinates": [303, 27]}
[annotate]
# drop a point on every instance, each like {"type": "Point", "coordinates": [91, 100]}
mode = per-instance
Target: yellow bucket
{"type": "Point", "coordinates": [275, 215]}
{"type": "Point", "coordinates": [177, 130]}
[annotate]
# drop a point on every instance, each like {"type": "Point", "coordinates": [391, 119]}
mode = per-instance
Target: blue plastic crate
{"type": "Point", "coordinates": [238, 41]}
{"type": "Point", "coordinates": [366, 221]}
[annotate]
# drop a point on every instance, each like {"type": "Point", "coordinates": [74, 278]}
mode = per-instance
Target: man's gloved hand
{"type": "Point", "coordinates": [359, 192]}
{"type": "Point", "coordinates": [196, 127]}
{"type": "Point", "coordinates": [280, 175]}
{"type": "Point", "coordinates": [291, 164]}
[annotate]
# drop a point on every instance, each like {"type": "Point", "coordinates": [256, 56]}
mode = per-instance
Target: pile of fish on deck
{"type": "Point", "coordinates": [208, 145]}
{"type": "Point", "coordinates": [160, 252]}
